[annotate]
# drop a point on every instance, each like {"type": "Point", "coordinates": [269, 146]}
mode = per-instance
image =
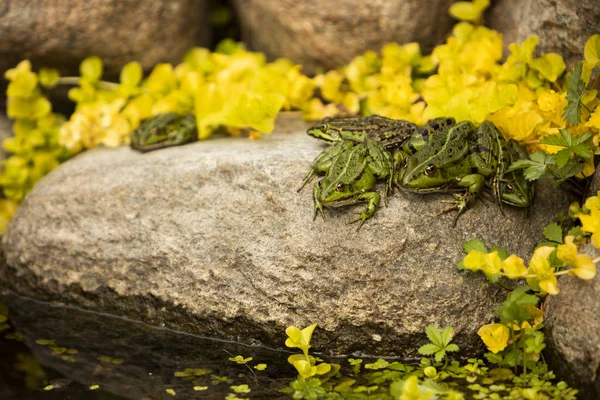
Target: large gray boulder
{"type": "Point", "coordinates": [61, 33]}
{"type": "Point", "coordinates": [563, 26]}
{"type": "Point", "coordinates": [212, 238]}
{"type": "Point", "coordinates": [573, 329]}
{"type": "Point", "coordinates": [328, 34]}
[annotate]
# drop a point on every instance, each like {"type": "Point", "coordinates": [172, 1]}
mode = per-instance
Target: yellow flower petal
{"type": "Point", "coordinates": [584, 267]}
{"type": "Point", "coordinates": [495, 337]}
{"type": "Point", "coordinates": [514, 267]}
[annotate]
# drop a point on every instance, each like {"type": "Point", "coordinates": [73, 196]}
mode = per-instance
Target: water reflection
{"type": "Point", "coordinates": [137, 361]}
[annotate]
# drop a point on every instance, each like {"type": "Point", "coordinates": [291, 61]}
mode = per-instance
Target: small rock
{"type": "Point", "coordinates": [573, 332]}
{"type": "Point", "coordinates": [62, 33]}
{"type": "Point", "coordinates": [328, 34]}
{"type": "Point", "coordinates": [563, 26]}
{"type": "Point", "coordinates": [222, 245]}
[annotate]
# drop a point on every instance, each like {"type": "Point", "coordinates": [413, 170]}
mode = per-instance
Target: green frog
{"type": "Point", "coordinates": [164, 130]}
{"type": "Point", "coordinates": [455, 158]}
{"type": "Point", "coordinates": [351, 178]}
{"type": "Point", "coordinates": [391, 133]}
{"type": "Point", "coordinates": [511, 187]}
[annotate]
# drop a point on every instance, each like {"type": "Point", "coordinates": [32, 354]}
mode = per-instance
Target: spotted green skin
{"type": "Point", "coordinates": [456, 158]}
{"type": "Point", "coordinates": [164, 130]}
{"type": "Point", "coordinates": [351, 176]}
{"type": "Point", "coordinates": [390, 133]}
{"type": "Point", "coordinates": [512, 187]}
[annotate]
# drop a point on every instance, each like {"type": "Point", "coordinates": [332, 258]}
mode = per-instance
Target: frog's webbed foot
{"type": "Point", "coordinates": [372, 199]}
{"type": "Point", "coordinates": [461, 204]}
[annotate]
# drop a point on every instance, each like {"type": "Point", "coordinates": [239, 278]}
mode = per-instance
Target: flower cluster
{"type": "Point", "coordinates": [34, 148]}
{"type": "Point", "coordinates": [543, 269]}
{"type": "Point", "coordinates": [233, 90]}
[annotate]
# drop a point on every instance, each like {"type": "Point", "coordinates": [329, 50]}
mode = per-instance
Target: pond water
{"type": "Point", "coordinates": [74, 350]}
{"type": "Point", "coordinates": [50, 351]}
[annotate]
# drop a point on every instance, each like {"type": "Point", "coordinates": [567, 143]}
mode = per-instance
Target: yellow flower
{"type": "Point", "coordinates": [495, 337]}
{"type": "Point", "coordinates": [591, 223]}
{"type": "Point", "coordinates": [299, 338]}
{"type": "Point", "coordinates": [489, 263]}
{"type": "Point", "coordinates": [514, 267]}
{"type": "Point", "coordinates": [583, 265]}
{"type": "Point", "coordinates": [411, 391]}
{"type": "Point", "coordinates": [540, 266]}
{"type": "Point", "coordinates": [550, 65]}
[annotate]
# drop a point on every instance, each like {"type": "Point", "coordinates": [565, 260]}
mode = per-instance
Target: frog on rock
{"type": "Point", "coordinates": [351, 178]}
{"type": "Point", "coordinates": [391, 133]}
{"type": "Point", "coordinates": [164, 130]}
{"type": "Point", "coordinates": [457, 158]}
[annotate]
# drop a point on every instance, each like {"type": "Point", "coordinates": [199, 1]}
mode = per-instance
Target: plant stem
{"type": "Point", "coordinates": [75, 80]}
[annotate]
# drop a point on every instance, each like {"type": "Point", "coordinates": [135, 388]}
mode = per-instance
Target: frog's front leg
{"type": "Point", "coordinates": [323, 161]}
{"type": "Point", "coordinates": [474, 183]}
{"type": "Point", "coordinates": [399, 158]}
{"type": "Point", "coordinates": [373, 199]}
{"type": "Point", "coordinates": [381, 164]}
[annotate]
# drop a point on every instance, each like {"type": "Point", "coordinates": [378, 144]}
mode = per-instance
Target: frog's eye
{"type": "Point", "coordinates": [509, 189]}
{"type": "Point", "coordinates": [339, 187]}
{"type": "Point", "coordinates": [429, 170]}
{"type": "Point", "coordinates": [154, 131]}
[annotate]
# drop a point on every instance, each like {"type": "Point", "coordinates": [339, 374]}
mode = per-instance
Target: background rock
{"type": "Point", "coordinates": [328, 34]}
{"type": "Point", "coordinates": [5, 132]}
{"type": "Point", "coordinates": [212, 238]}
{"type": "Point", "coordinates": [61, 33]}
{"type": "Point", "coordinates": [562, 25]}
{"type": "Point", "coordinates": [573, 332]}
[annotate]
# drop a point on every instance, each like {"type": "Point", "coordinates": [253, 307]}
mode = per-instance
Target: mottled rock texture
{"type": "Point", "coordinates": [212, 238]}
{"type": "Point", "coordinates": [328, 34]}
{"type": "Point", "coordinates": [573, 331]}
{"type": "Point", "coordinates": [60, 33]}
{"type": "Point", "coordinates": [562, 25]}
{"type": "Point", "coordinates": [5, 132]}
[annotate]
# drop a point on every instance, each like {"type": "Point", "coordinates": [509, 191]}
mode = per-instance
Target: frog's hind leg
{"type": "Point", "coordinates": [317, 203]}
{"type": "Point", "coordinates": [373, 199]}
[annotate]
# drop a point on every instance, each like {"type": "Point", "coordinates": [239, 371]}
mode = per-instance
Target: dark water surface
{"type": "Point", "coordinates": [75, 349]}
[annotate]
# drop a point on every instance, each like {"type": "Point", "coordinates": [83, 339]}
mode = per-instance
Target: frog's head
{"type": "Point", "coordinates": [325, 130]}
{"type": "Point", "coordinates": [164, 130]}
{"type": "Point", "coordinates": [424, 177]}
{"type": "Point", "coordinates": [517, 192]}
{"type": "Point", "coordinates": [338, 194]}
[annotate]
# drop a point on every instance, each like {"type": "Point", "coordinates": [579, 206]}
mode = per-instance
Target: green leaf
{"type": "Point", "coordinates": [452, 347]}
{"type": "Point", "coordinates": [513, 308]}
{"type": "Point", "coordinates": [439, 356]}
{"type": "Point", "coordinates": [428, 349]}
{"type": "Point", "coordinates": [474, 244]}
{"type": "Point", "coordinates": [534, 342]}
{"type": "Point", "coordinates": [91, 69]}
{"type": "Point", "coordinates": [534, 172]}
{"type": "Point", "coordinates": [447, 334]}
{"type": "Point", "coordinates": [502, 252]}
{"type": "Point", "coordinates": [582, 150]}
{"type": "Point", "coordinates": [553, 232]}
{"type": "Point", "coordinates": [575, 92]}
{"type": "Point", "coordinates": [576, 231]}
{"type": "Point", "coordinates": [554, 140]}
{"type": "Point", "coordinates": [434, 335]}
{"type": "Point", "coordinates": [562, 157]}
